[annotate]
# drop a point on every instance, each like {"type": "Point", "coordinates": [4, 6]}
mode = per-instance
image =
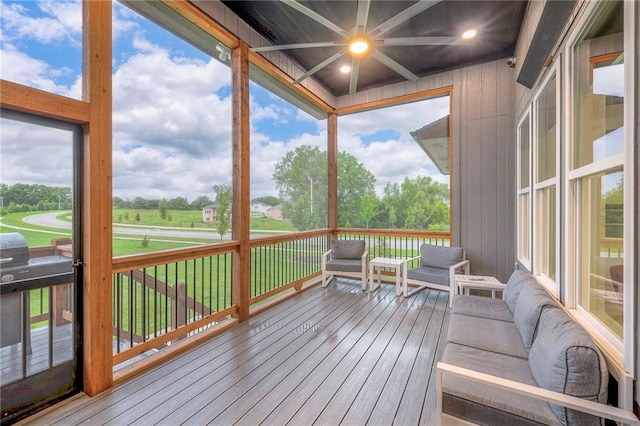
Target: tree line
{"type": "Point", "coordinates": [22, 197]}
{"type": "Point", "coordinates": [301, 180]}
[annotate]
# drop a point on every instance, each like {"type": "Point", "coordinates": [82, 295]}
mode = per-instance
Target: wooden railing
{"type": "Point", "coordinates": [161, 298]}
{"type": "Point", "coordinates": [285, 262]}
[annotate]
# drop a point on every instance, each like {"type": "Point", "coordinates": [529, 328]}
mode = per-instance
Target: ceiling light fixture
{"type": "Point", "coordinates": [469, 34]}
{"type": "Point", "coordinates": [345, 69]}
{"type": "Point", "coordinates": [359, 45]}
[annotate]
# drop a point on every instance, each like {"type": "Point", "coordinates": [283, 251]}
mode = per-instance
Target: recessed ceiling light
{"type": "Point", "coordinates": [345, 69]}
{"type": "Point", "coordinates": [469, 34]}
{"type": "Point", "coordinates": [359, 45]}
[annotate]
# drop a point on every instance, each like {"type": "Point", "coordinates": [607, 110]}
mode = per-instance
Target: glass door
{"type": "Point", "coordinates": [39, 262]}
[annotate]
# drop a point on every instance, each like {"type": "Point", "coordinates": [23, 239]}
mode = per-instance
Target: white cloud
{"type": "Point", "coordinates": [62, 22]}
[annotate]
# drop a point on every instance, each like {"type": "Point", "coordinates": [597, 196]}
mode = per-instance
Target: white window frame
{"type": "Point", "coordinates": [538, 187]}
{"type": "Point", "coordinates": [621, 351]}
{"type": "Point", "coordinates": [525, 261]}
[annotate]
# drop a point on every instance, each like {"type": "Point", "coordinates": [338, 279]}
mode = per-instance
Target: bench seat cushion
{"type": "Point", "coordinates": [482, 307]}
{"type": "Point", "coordinates": [483, 405]}
{"type": "Point", "coordinates": [429, 274]}
{"type": "Point", "coordinates": [344, 265]}
{"type": "Point", "coordinates": [487, 334]}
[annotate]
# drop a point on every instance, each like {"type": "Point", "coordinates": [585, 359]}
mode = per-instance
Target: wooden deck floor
{"type": "Point", "coordinates": [328, 356]}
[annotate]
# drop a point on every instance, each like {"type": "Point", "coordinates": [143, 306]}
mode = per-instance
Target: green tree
{"type": "Point", "coordinates": [162, 208]}
{"type": "Point", "coordinates": [301, 181]}
{"type": "Point", "coordinates": [178, 203]}
{"type": "Point", "coordinates": [269, 200]}
{"type": "Point", "coordinates": [200, 202]}
{"type": "Point", "coordinates": [223, 200]}
{"type": "Point", "coordinates": [354, 183]}
{"type": "Point", "coordinates": [137, 218]}
{"type": "Point", "coordinates": [419, 203]}
{"type": "Point", "coordinates": [368, 207]}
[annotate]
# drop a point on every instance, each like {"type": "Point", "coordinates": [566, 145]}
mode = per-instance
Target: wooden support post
{"type": "Point", "coordinates": [96, 199]}
{"type": "Point", "coordinates": [241, 193]}
{"type": "Point", "coordinates": [332, 154]}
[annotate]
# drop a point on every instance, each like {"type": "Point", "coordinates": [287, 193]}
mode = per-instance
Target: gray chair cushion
{"type": "Point", "coordinates": [482, 307]}
{"type": "Point", "coordinates": [516, 282]}
{"type": "Point", "coordinates": [532, 300]}
{"type": "Point", "coordinates": [488, 406]}
{"type": "Point", "coordinates": [344, 265]}
{"type": "Point", "coordinates": [347, 249]}
{"type": "Point", "coordinates": [487, 334]}
{"type": "Point", "coordinates": [440, 257]}
{"type": "Point", "coordinates": [564, 358]}
{"type": "Point", "coordinates": [429, 275]}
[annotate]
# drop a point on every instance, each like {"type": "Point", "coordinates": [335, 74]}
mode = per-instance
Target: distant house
{"type": "Point", "coordinates": [275, 212]}
{"type": "Point", "coordinates": [260, 208]}
{"type": "Point", "coordinates": [210, 213]}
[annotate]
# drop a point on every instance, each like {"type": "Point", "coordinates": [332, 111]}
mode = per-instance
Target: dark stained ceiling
{"type": "Point", "coordinates": [498, 24]}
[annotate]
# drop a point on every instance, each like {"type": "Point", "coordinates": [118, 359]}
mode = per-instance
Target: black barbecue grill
{"type": "Point", "coordinates": [19, 273]}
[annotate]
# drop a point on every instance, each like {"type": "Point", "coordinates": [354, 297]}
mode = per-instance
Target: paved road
{"type": "Point", "coordinates": [50, 220]}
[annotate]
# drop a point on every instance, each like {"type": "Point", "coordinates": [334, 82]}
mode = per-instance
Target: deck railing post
{"type": "Point", "coordinates": [241, 175]}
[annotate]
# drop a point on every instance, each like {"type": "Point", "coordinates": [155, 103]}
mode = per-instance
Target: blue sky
{"type": "Point", "coordinates": [172, 110]}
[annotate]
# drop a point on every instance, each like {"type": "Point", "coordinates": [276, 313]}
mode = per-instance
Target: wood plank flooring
{"type": "Point", "coordinates": [327, 356]}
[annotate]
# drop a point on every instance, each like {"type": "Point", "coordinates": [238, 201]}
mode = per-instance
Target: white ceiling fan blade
{"type": "Point", "coordinates": [419, 41]}
{"type": "Point", "coordinates": [353, 81]}
{"type": "Point", "coordinates": [394, 65]}
{"type": "Point", "coordinates": [401, 17]}
{"type": "Point", "coordinates": [299, 46]}
{"type": "Point", "coordinates": [363, 16]}
{"type": "Point", "coordinates": [319, 67]}
{"type": "Point", "coordinates": [316, 17]}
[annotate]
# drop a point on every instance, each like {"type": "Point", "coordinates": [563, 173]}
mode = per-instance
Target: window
{"type": "Point", "coordinates": [597, 166]}
{"type": "Point", "coordinates": [546, 147]}
{"type": "Point", "coordinates": [524, 191]}
{"type": "Point", "coordinates": [394, 167]}
{"type": "Point", "coordinates": [289, 165]}
{"type": "Point", "coordinates": [172, 136]}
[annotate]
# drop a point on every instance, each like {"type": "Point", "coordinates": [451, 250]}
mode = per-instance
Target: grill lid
{"type": "Point", "coordinates": [13, 250]}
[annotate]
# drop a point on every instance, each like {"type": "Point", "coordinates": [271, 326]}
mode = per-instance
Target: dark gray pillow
{"type": "Point", "coordinates": [514, 286]}
{"type": "Point", "coordinates": [564, 358]}
{"type": "Point", "coordinates": [347, 249]}
{"type": "Point", "coordinates": [532, 300]}
{"type": "Point", "coordinates": [440, 257]}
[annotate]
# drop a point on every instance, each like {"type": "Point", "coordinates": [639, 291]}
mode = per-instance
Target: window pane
{"type": "Point", "coordinates": [524, 153]}
{"type": "Point", "coordinates": [601, 248]}
{"type": "Point", "coordinates": [393, 167]}
{"type": "Point", "coordinates": [172, 160]}
{"type": "Point", "coordinates": [523, 226]}
{"type": "Point", "coordinates": [546, 110]}
{"type": "Point", "coordinates": [599, 92]}
{"type": "Point", "coordinates": [289, 168]}
{"type": "Point", "coordinates": [546, 232]}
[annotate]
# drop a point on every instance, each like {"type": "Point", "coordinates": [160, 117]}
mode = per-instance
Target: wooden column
{"type": "Point", "coordinates": [96, 198]}
{"type": "Point", "coordinates": [241, 179]}
{"type": "Point", "coordinates": [332, 157]}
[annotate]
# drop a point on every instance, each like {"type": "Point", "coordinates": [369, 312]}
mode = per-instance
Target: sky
{"type": "Point", "coordinates": [172, 112]}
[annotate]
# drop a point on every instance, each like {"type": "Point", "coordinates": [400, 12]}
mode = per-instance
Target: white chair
{"type": "Point", "coordinates": [438, 266]}
{"type": "Point", "coordinates": [346, 258]}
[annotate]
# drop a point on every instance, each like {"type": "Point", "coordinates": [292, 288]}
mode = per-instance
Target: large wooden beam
{"type": "Point", "coordinates": [96, 198]}
{"type": "Point", "coordinates": [25, 99]}
{"type": "Point", "coordinates": [332, 154]}
{"type": "Point", "coordinates": [241, 171]}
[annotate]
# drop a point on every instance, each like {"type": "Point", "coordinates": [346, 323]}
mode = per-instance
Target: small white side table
{"type": "Point", "coordinates": [400, 266]}
{"type": "Point", "coordinates": [479, 282]}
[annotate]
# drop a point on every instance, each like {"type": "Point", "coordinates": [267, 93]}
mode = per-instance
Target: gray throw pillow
{"type": "Point", "coordinates": [516, 283]}
{"type": "Point", "coordinates": [532, 300]}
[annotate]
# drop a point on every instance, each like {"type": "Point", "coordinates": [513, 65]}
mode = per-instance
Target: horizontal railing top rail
{"type": "Point", "coordinates": [275, 239]}
{"type": "Point", "coordinates": [410, 233]}
{"type": "Point", "coordinates": [127, 263]}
